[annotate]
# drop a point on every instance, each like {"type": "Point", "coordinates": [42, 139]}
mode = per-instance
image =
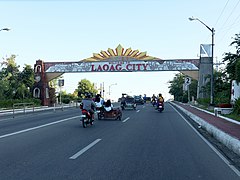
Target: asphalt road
{"type": "Point", "coordinates": [146, 144]}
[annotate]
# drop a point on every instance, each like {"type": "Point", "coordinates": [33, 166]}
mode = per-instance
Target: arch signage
{"type": "Point", "coordinates": [118, 60]}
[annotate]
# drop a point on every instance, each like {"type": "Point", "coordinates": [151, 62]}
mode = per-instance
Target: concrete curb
{"type": "Point", "coordinates": [223, 117]}
{"type": "Point", "coordinates": [231, 142]}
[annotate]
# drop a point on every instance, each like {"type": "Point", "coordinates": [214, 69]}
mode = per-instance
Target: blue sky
{"type": "Point", "coordinates": [73, 30]}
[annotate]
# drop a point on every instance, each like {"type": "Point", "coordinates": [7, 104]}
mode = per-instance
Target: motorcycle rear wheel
{"type": "Point", "coordinates": [91, 122]}
{"type": "Point", "coordinates": [84, 123]}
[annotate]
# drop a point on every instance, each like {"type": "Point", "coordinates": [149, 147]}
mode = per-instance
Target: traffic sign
{"type": "Point", "coordinates": [187, 80]}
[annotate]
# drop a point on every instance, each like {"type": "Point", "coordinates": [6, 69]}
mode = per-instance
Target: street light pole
{"type": "Point", "coordinates": [110, 88]}
{"type": "Point", "coordinates": [212, 31]}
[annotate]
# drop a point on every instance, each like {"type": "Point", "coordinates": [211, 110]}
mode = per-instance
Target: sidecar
{"type": "Point", "coordinates": [115, 113]}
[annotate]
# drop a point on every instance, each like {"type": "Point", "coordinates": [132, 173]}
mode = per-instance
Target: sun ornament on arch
{"type": "Point", "coordinates": [120, 54]}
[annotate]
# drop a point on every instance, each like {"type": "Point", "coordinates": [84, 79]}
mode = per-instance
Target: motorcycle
{"type": "Point", "coordinates": [86, 118]}
{"type": "Point", "coordinates": [154, 102]}
{"type": "Point", "coordinates": [160, 106]}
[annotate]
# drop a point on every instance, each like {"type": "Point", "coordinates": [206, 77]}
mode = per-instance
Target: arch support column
{"type": "Point", "coordinates": [41, 87]}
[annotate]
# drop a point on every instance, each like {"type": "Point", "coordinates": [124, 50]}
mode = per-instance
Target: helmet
{"type": "Point", "coordinates": [160, 94]}
{"type": "Point", "coordinates": [88, 95]}
{"type": "Point", "coordinates": [98, 95]}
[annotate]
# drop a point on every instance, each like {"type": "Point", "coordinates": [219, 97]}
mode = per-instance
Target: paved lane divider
{"type": "Point", "coordinates": [126, 119]}
{"type": "Point", "coordinates": [38, 127]}
{"type": "Point", "coordinates": [138, 110]}
{"type": "Point", "coordinates": [79, 153]}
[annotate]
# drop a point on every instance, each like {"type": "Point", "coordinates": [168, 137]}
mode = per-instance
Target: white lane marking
{"type": "Point", "coordinates": [126, 119]}
{"type": "Point", "coordinates": [79, 153]}
{"type": "Point", "coordinates": [37, 127]}
{"type": "Point", "coordinates": [209, 144]}
{"type": "Point", "coordinates": [138, 110]}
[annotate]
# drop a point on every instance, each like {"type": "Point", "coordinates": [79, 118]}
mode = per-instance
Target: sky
{"type": "Point", "coordinates": [58, 31]}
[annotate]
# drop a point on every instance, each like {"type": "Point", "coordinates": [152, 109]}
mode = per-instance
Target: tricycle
{"type": "Point", "coordinates": [115, 113]}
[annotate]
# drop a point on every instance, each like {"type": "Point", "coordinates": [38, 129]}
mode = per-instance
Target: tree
{"type": "Point", "coordinates": [237, 71]}
{"type": "Point", "coordinates": [26, 77]}
{"type": "Point", "coordinates": [176, 88]}
{"type": "Point", "coordinates": [222, 87]}
{"type": "Point", "coordinates": [233, 59]}
{"type": "Point", "coordinates": [9, 74]}
{"type": "Point", "coordinates": [85, 86]}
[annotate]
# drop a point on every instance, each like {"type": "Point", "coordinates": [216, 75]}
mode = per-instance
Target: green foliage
{"type": "Point", "coordinates": [14, 85]}
{"type": "Point", "coordinates": [66, 100]}
{"type": "Point", "coordinates": [85, 86]}
{"type": "Point", "coordinates": [233, 116]}
{"type": "Point", "coordinates": [236, 108]}
{"type": "Point", "coordinates": [232, 59]}
{"type": "Point", "coordinates": [9, 103]}
{"type": "Point", "coordinates": [237, 70]}
{"type": "Point", "coordinates": [176, 88]}
{"type": "Point", "coordinates": [222, 87]}
{"type": "Point", "coordinates": [204, 101]}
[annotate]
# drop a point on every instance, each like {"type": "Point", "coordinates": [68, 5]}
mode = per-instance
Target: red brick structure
{"type": "Point", "coordinates": [41, 88]}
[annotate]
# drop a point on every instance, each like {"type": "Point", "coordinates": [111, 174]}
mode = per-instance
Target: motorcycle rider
{"type": "Point", "coordinates": [160, 100]}
{"type": "Point", "coordinates": [89, 105]}
{"type": "Point", "coordinates": [99, 101]}
{"type": "Point", "coordinates": [123, 100]}
{"type": "Point", "coordinates": [108, 105]}
{"type": "Point", "coordinates": [154, 98]}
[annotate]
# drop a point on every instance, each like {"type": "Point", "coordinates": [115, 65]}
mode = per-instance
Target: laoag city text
{"type": "Point", "coordinates": [119, 67]}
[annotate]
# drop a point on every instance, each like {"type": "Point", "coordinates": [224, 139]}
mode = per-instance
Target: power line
{"type": "Point", "coordinates": [222, 12]}
{"type": "Point", "coordinates": [225, 29]}
{"type": "Point", "coordinates": [230, 14]}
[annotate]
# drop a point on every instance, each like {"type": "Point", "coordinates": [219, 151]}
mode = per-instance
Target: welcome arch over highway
{"type": "Point", "coordinates": [118, 60]}
{"type": "Point", "coordinates": [122, 60]}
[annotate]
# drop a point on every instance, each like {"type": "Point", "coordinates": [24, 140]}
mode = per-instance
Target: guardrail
{"type": "Point", "coordinates": [23, 107]}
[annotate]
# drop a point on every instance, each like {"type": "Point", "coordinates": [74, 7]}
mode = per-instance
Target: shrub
{"type": "Point", "coordinates": [66, 100]}
{"type": "Point", "coordinates": [203, 101]}
{"type": "Point", "coordinates": [236, 107]}
{"type": "Point", "coordinates": [9, 103]}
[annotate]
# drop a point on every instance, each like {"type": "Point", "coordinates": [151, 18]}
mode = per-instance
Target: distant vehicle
{"type": "Point", "coordinates": [129, 103]}
{"type": "Point", "coordinates": [138, 100]}
{"type": "Point", "coordinates": [148, 99]}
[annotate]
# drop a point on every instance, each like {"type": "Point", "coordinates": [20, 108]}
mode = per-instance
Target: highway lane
{"type": "Point", "coordinates": [148, 145]}
{"type": "Point", "coordinates": [20, 122]}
